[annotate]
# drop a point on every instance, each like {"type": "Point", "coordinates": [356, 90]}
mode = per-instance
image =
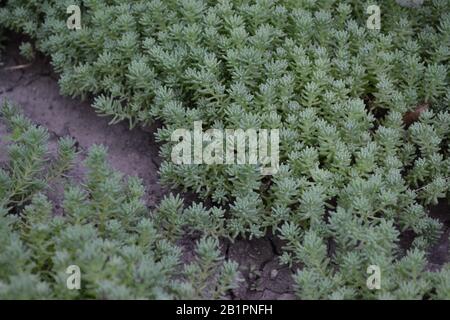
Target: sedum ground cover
{"type": "Point", "coordinates": [124, 251]}
{"type": "Point", "coordinates": [363, 117]}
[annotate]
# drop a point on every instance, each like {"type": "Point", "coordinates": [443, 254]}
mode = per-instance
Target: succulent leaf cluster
{"type": "Point", "coordinates": [122, 249]}
{"type": "Point", "coordinates": [363, 117]}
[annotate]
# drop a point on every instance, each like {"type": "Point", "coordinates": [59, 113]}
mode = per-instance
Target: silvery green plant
{"type": "Point", "coordinates": [123, 250]}
{"type": "Point", "coordinates": [339, 93]}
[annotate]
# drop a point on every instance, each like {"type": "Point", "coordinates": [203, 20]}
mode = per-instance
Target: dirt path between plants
{"type": "Point", "coordinates": [35, 90]}
{"type": "Point", "coordinates": [134, 152]}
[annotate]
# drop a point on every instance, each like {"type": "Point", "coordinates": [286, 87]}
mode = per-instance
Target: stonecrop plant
{"type": "Point", "coordinates": [122, 250]}
{"type": "Point", "coordinates": [363, 116]}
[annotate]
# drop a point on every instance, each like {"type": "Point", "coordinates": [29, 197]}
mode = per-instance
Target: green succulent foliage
{"type": "Point", "coordinates": [27, 51]}
{"type": "Point", "coordinates": [353, 174]}
{"type": "Point", "coordinates": [30, 170]}
{"type": "Point", "coordinates": [105, 229]}
{"type": "Point", "coordinates": [358, 246]}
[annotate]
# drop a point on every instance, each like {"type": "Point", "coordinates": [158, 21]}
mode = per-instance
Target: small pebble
{"type": "Point", "coordinates": [273, 274]}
